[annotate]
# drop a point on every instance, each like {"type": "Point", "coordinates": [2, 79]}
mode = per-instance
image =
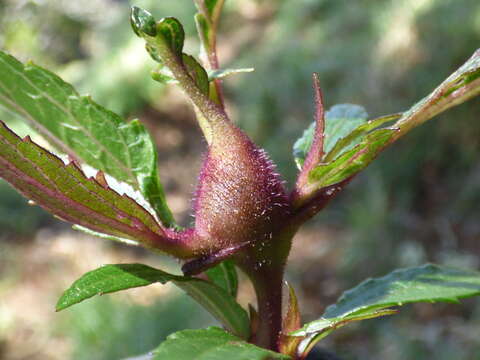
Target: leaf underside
{"type": "Point", "coordinates": [66, 192]}
{"type": "Point", "coordinates": [211, 344]}
{"type": "Point", "coordinates": [376, 297]}
{"type": "Point", "coordinates": [117, 277]}
{"type": "Point", "coordinates": [81, 128]}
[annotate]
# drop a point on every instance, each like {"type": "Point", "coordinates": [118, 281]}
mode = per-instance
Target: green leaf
{"type": "Point", "coordinates": [112, 278]}
{"type": "Point", "coordinates": [225, 276]}
{"type": "Point", "coordinates": [340, 121]}
{"type": "Point", "coordinates": [142, 22]}
{"type": "Point", "coordinates": [375, 297]}
{"type": "Point", "coordinates": [81, 128]}
{"type": "Point", "coordinates": [197, 72]}
{"type": "Point", "coordinates": [173, 34]}
{"type": "Point", "coordinates": [462, 85]}
{"type": "Point", "coordinates": [211, 344]}
{"type": "Point", "coordinates": [352, 161]}
{"type": "Point", "coordinates": [221, 73]}
{"type": "Point", "coordinates": [65, 191]}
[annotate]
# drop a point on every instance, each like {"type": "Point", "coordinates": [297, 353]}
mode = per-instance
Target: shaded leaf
{"type": "Point", "coordinates": [375, 297]}
{"type": "Point", "coordinates": [340, 121]}
{"type": "Point", "coordinates": [210, 344]}
{"type": "Point", "coordinates": [65, 191]}
{"type": "Point", "coordinates": [81, 128]}
{"type": "Point", "coordinates": [225, 276]}
{"type": "Point", "coordinates": [112, 278]}
{"type": "Point", "coordinates": [197, 72]}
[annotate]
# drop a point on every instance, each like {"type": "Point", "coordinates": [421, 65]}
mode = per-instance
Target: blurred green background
{"type": "Point", "coordinates": [418, 202]}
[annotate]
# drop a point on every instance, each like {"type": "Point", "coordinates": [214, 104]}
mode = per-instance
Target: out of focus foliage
{"type": "Point", "coordinates": [418, 203]}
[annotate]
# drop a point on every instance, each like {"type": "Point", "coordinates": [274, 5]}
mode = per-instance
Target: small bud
{"type": "Point", "coordinates": [142, 22]}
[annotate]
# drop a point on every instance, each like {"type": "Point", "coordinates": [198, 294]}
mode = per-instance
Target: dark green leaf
{"type": "Point", "coordinates": [340, 121]}
{"type": "Point", "coordinates": [225, 276]}
{"type": "Point", "coordinates": [376, 297]}
{"type": "Point", "coordinates": [211, 344]}
{"type": "Point", "coordinates": [65, 191]}
{"type": "Point", "coordinates": [83, 129]}
{"type": "Point", "coordinates": [112, 278]}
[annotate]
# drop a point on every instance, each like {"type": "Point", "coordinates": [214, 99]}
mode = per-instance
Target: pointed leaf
{"type": "Point", "coordinates": [65, 191]}
{"type": "Point", "coordinates": [221, 73]}
{"type": "Point", "coordinates": [112, 278]}
{"type": "Point", "coordinates": [457, 88]}
{"type": "Point", "coordinates": [288, 344]}
{"type": "Point", "coordinates": [211, 344]}
{"type": "Point", "coordinates": [225, 276]}
{"type": "Point", "coordinates": [374, 297]}
{"type": "Point", "coordinates": [81, 128]}
{"type": "Point", "coordinates": [340, 121]}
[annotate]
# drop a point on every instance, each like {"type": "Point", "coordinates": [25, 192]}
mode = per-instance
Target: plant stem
{"type": "Point", "coordinates": [264, 264]}
{"type": "Point", "coordinates": [268, 287]}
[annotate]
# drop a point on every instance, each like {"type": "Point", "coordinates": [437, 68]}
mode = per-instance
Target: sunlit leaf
{"type": "Point", "coordinates": [112, 278]}
{"type": "Point", "coordinates": [81, 128]}
{"type": "Point", "coordinates": [340, 121]}
{"type": "Point", "coordinates": [376, 297]}
{"type": "Point", "coordinates": [343, 163]}
{"type": "Point", "coordinates": [221, 73]}
{"type": "Point", "coordinates": [211, 344]}
{"type": "Point", "coordinates": [66, 192]}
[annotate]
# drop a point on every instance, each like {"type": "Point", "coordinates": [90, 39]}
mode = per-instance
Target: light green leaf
{"type": "Point", "coordinates": [462, 85]}
{"type": "Point", "coordinates": [221, 73]}
{"type": "Point", "coordinates": [112, 278]}
{"type": "Point", "coordinates": [66, 192]}
{"type": "Point", "coordinates": [225, 276]}
{"type": "Point", "coordinates": [81, 128]}
{"type": "Point", "coordinates": [375, 297]}
{"type": "Point", "coordinates": [211, 344]}
{"type": "Point", "coordinates": [340, 121]}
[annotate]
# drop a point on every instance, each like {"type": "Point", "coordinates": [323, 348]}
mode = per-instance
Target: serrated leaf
{"type": "Point", "coordinates": [340, 121]}
{"type": "Point", "coordinates": [211, 344]}
{"type": "Point", "coordinates": [66, 192]}
{"type": "Point", "coordinates": [375, 297]}
{"type": "Point", "coordinates": [462, 85]}
{"type": "Point", "coordinates": [81, 128]}
{"type": "Point", "coordinates": [225, 276]}
{"type": "Point", "coordinates": [221, 73]}
{"type": "Point", "coordinates": [112, 278]}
